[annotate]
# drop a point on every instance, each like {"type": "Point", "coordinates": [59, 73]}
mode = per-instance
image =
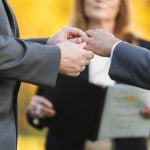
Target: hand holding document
{"type": "Point", "coordinates": [121, 116]}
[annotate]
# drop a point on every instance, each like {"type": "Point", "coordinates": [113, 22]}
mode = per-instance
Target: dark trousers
{"type": "Point", "coordinates": [63, 143]}
{"type": "Point", "coordinates": [130, 144]}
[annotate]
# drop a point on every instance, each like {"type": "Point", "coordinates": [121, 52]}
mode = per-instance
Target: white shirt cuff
{"type": "Point", "coordinates": [114, 46]}
{"type": "Point", "coordinates": [112, 50]}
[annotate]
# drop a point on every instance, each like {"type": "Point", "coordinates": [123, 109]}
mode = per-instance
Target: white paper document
{"type": "Point", "coordinates": [121, 116]}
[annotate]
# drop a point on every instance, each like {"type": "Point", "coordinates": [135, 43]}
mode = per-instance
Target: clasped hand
{"type": "Point", "coordinates": [74, 57]}
{"type": "Point", "coordinates": [78, 47]}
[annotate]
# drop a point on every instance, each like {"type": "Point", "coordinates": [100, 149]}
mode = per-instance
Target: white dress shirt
{"type": "Point", "coordinates": [99, 67]}
{"type": "Point", "coordinates": [98, 71]}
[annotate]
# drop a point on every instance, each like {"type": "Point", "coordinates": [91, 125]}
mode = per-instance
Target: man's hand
{"type": "Point", "coordinates": [73, 58]}
{"type": "Point", "coordinates": [65, 34]}
{"type": "Point", "coordinates": [100, 42]}
{"type": "Point", "coordinates": [41, 107]}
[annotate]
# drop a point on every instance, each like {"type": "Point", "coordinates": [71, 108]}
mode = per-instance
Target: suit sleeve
{"type": "Point", "coordinates": [28, 61]}
{"type": "Point", "coordinates": [131, 64]}
{"type": "Point", "coordinates": [38, 40]}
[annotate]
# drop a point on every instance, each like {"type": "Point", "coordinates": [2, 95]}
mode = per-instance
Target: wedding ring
{"type": "Point", "coordinates": [38, 109]}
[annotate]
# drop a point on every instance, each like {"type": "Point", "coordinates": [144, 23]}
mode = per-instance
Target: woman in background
{"type": "Point", "coordinates": [79, 102]}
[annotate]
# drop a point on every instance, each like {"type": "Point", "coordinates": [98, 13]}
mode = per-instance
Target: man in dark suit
{"type": "Point", "coordinates": [31, 61]}
{"type": "Point", "coordinates": [129, 64]}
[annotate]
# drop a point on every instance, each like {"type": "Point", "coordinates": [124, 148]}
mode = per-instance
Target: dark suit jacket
{"type": "Point", "coordinates": [131, 64]}
{"type": "Point", "coordinates": [20, 61]}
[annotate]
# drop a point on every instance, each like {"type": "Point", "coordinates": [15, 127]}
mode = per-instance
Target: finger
{"type": "Point", "coordinates": [87, 62]}
{"type": "Point", "coordinates": [75, 32]}
{"type": "Point", "coordinates": [35, 110]}
{"type": "Point", "coordinates": [43, 101]}
{"type": "Point", "coordinates": [75, 74]}
{"type": "Point", "coordinates": [47, 103]}
{"type": "Point", "coordinates": [41, 115]}
{"type": "Point", "coordinates": [84, 62]}
{"type": "Point", "coordinates": [88, 47]}
{"type": "Point", "coordinates": [90, 33]}
{"type": "Point", "coordinates": [31, 110]}
{"type": "Point", "coordinates": [82, 45]}
{"type": "Point", "coordinates": [78, 32]}
{"type": "Point", "coordinates": [76, 40]}
{"type": "Point", "coordinates": [86, 39]}
{"type": "Point", "coordinates": [48, 112]}
{"type": "Point", "coordinates": [83, 68]}
{"type": "Point", "coordinates": [88, 55]}
{"type": "Point", "coordinates": [38, 109]}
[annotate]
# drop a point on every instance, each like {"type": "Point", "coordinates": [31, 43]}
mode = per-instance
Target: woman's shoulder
{"type": "Point", "coordinates": [131, 38]}
{"type": "Point", "coordinates": [144, 43]}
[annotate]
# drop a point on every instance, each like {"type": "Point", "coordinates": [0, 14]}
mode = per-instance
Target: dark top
{"type": "Point", "coordinates": [78, 105]}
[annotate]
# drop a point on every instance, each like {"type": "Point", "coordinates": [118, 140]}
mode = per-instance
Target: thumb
{"type": "Point", "coordinates": [82, 45]}
{"type": "Point", "coordinates": [76, 40]}
{"type": "Point", "coordinates": [89, 55]}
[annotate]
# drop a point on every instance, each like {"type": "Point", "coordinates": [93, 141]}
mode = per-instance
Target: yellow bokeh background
{"type": "Point", "coordinates": [41, 18]}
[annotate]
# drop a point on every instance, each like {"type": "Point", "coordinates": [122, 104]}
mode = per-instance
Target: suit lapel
{"type": "Point", "coordinates": [14, 27]}
{"type": "Point", "coordinates": [11, 18]}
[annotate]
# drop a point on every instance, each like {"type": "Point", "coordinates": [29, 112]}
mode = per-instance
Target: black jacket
{"type": "Point", "coordinates": [78, 105]}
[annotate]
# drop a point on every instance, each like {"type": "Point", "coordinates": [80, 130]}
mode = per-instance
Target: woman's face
{"type": "Point", "coordinates": [101, 9]}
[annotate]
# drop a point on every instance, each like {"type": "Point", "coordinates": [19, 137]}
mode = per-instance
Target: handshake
{"type": "Point", "coordinates": [78, 47]}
